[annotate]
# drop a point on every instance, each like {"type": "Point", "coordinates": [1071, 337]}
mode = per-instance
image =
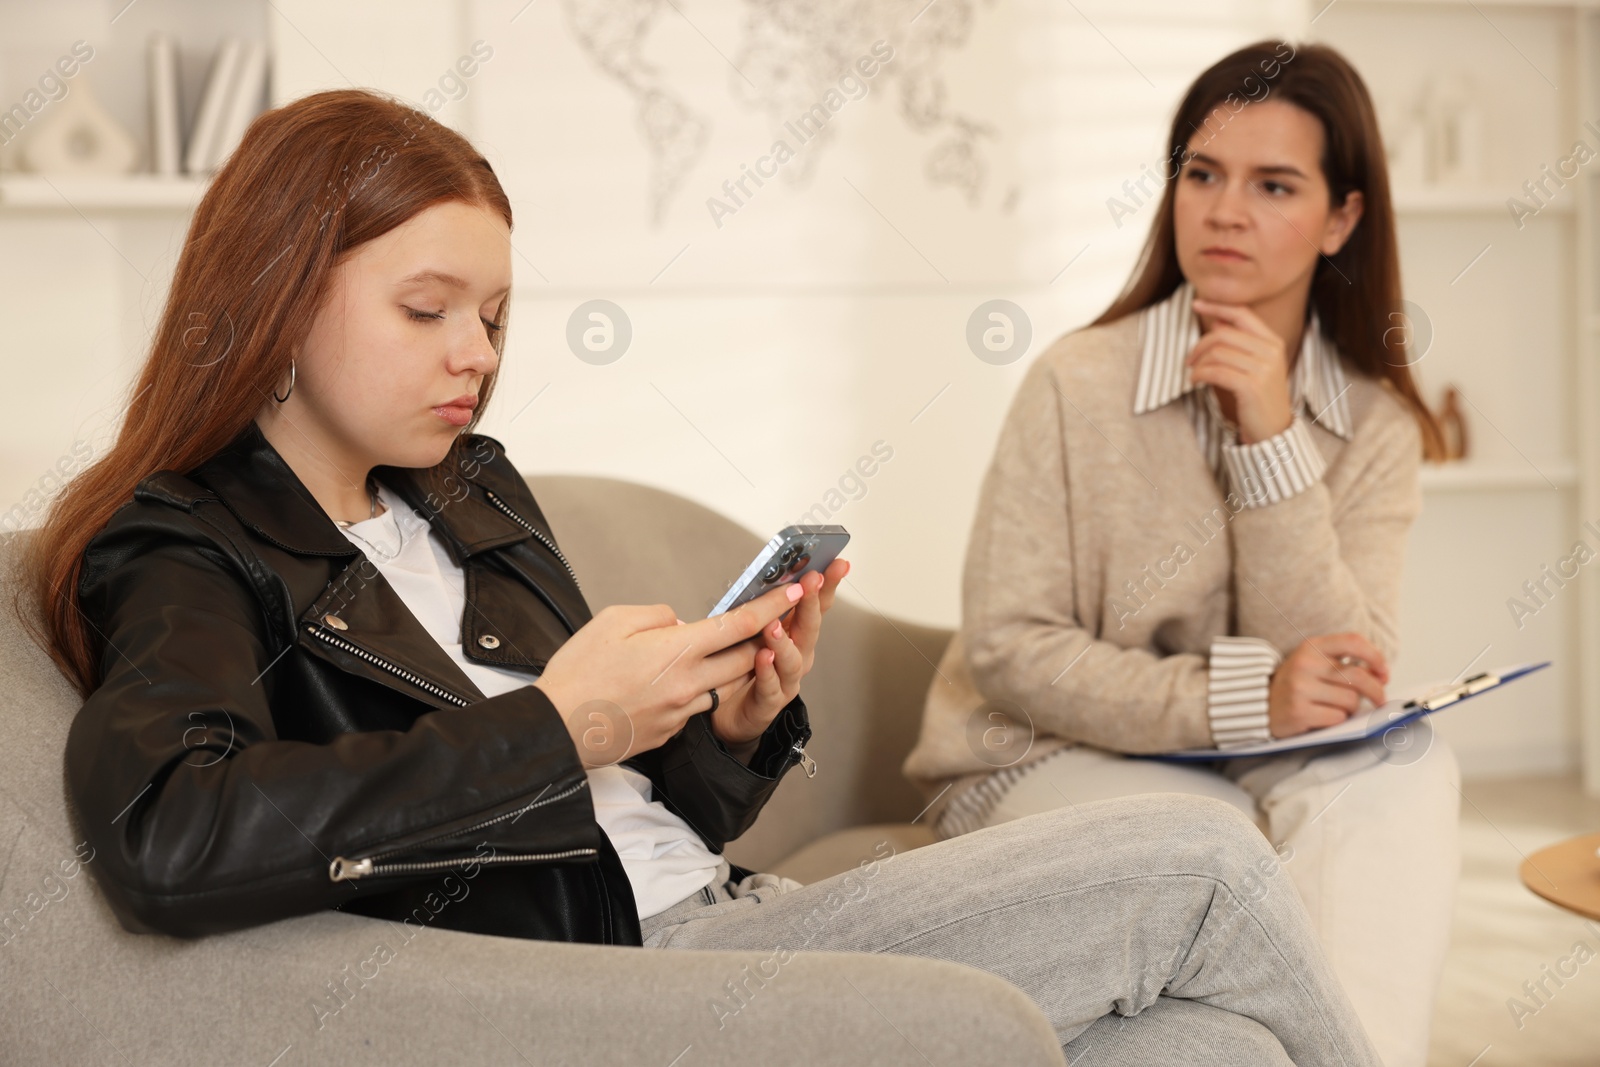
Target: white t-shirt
{"type": "Point", "coordinates": [664, 858]}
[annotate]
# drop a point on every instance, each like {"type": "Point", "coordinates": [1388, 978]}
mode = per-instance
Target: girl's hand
{"type": "Point", "coordinates": [1239, 353]}
{"type": "Point", "coordinates": [1321, 683]}
{"type": "Point", "coordinates": [630, 678]}
{"type": "Point", "coordinates": [787, 653]}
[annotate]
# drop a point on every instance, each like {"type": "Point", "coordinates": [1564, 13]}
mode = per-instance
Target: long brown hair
{"type": "Point", "coordinates": [309, 182]}
{"type": "Point", "coordinates": [1356, 292]}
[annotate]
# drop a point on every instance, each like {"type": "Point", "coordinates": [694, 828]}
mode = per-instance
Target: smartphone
{"type": "Point", "coordinates": [794, 551]}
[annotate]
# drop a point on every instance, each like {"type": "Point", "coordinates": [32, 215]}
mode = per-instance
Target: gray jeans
{"type": "Point", "coordinates": [1150, 929]}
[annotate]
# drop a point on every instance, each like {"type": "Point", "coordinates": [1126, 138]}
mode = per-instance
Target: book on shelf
{"type": "Point", "coordinates": [208, 116]}
{"type": "Point", "coordinates": [166, 126]}
{"type": "Point", "coordinates": [231, 99]}
{"type": "Point", "coordinates": [244, 102]}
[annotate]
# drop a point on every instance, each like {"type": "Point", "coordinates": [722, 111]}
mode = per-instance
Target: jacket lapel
{"type": "Point", "coordinates": [358, 622]}
{"type": "Point", "coordinates": [487, 521]}
{"type": "Point", "coordinates": [361, 624]}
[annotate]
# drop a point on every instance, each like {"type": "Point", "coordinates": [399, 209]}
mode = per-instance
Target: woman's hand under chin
{"type": "Point", "coordinates": [789, 649]}
{"type": "Point", "coordinates": [1242, 356]}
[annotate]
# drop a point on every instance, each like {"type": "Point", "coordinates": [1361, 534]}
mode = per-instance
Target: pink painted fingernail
{"type": "Point", "coordinates": [794, 592]}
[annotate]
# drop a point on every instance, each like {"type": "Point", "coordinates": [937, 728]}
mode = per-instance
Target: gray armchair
{"type": "Point", "coordinates": [342, 988]}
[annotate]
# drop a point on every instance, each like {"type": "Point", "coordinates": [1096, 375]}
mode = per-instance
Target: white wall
{"type": "Point", "coordinates": [827, 315]}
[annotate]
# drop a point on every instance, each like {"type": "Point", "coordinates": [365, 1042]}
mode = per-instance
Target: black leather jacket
{"type": "Point", "coordinates": [276, 733]}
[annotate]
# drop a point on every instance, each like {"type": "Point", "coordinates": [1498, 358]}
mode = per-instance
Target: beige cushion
{"type": "Point", "coordinates": [843, 849]}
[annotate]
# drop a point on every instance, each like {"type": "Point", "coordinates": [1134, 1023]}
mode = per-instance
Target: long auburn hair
{"type": "Point", "coordinates": [309, 182]}
{"type": "Point", "coordinates": [1356, 292]}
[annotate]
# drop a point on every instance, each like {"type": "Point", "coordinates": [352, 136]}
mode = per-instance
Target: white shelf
{"type": "Point", "coordinates": [127, 192]}
{"type": "Point", "coordinates": [1463, 200]}
{"type": "Point", "coordinates": [1462, 476]}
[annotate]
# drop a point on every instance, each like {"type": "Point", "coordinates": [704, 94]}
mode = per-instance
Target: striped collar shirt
{"type": "Point", "coordinates": [1268, 470]}
{"type": "Point", "coordinates": [1261, 474]}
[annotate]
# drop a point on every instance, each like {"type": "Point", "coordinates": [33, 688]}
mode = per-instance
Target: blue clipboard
{"type": "Point", "coordinates": [1364, 726]}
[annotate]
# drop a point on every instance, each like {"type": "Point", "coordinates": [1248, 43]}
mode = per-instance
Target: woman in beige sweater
{"type": "Point", "coordinates": [1192, 530]}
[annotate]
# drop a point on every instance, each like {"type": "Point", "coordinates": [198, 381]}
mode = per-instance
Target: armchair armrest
{"type": "Point", "coordinates": [619, 1005]}
{"type": "Point", "coordinates": [336, 988]}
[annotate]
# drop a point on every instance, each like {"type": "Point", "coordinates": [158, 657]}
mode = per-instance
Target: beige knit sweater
{"type": "Point", "coordinates": [1083, 497]}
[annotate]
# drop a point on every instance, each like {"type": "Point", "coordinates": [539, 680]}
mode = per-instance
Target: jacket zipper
{"type": "Point", "coordinates": [392, 668]}
{"type": "Point", "coordinates": [342, 869]}
{"type": "Point", "coordinates": [806, 762]}
{"type": "Point", "coordinates": [543, 540]}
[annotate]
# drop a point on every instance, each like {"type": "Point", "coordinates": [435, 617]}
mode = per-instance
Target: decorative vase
{"type": "Point", "coordinates": [76, 135]}
{"type": "Point", "coordinates": [1455, 132]}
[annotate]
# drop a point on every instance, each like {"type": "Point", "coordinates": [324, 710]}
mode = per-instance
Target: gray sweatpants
{"type": "Point", "coordinates": [1150, 929]}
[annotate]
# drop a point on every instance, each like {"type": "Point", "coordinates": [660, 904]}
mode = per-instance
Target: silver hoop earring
{"type": "Point", "coordinates": [285, 396]}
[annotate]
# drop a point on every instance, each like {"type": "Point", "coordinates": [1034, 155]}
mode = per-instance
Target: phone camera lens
{"type": "Point", "coordinates": [772, 572]}
{"type": "Point", "coordinates": [788, 553]}
{"type": "Point", "coordinates": [800, 563]}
